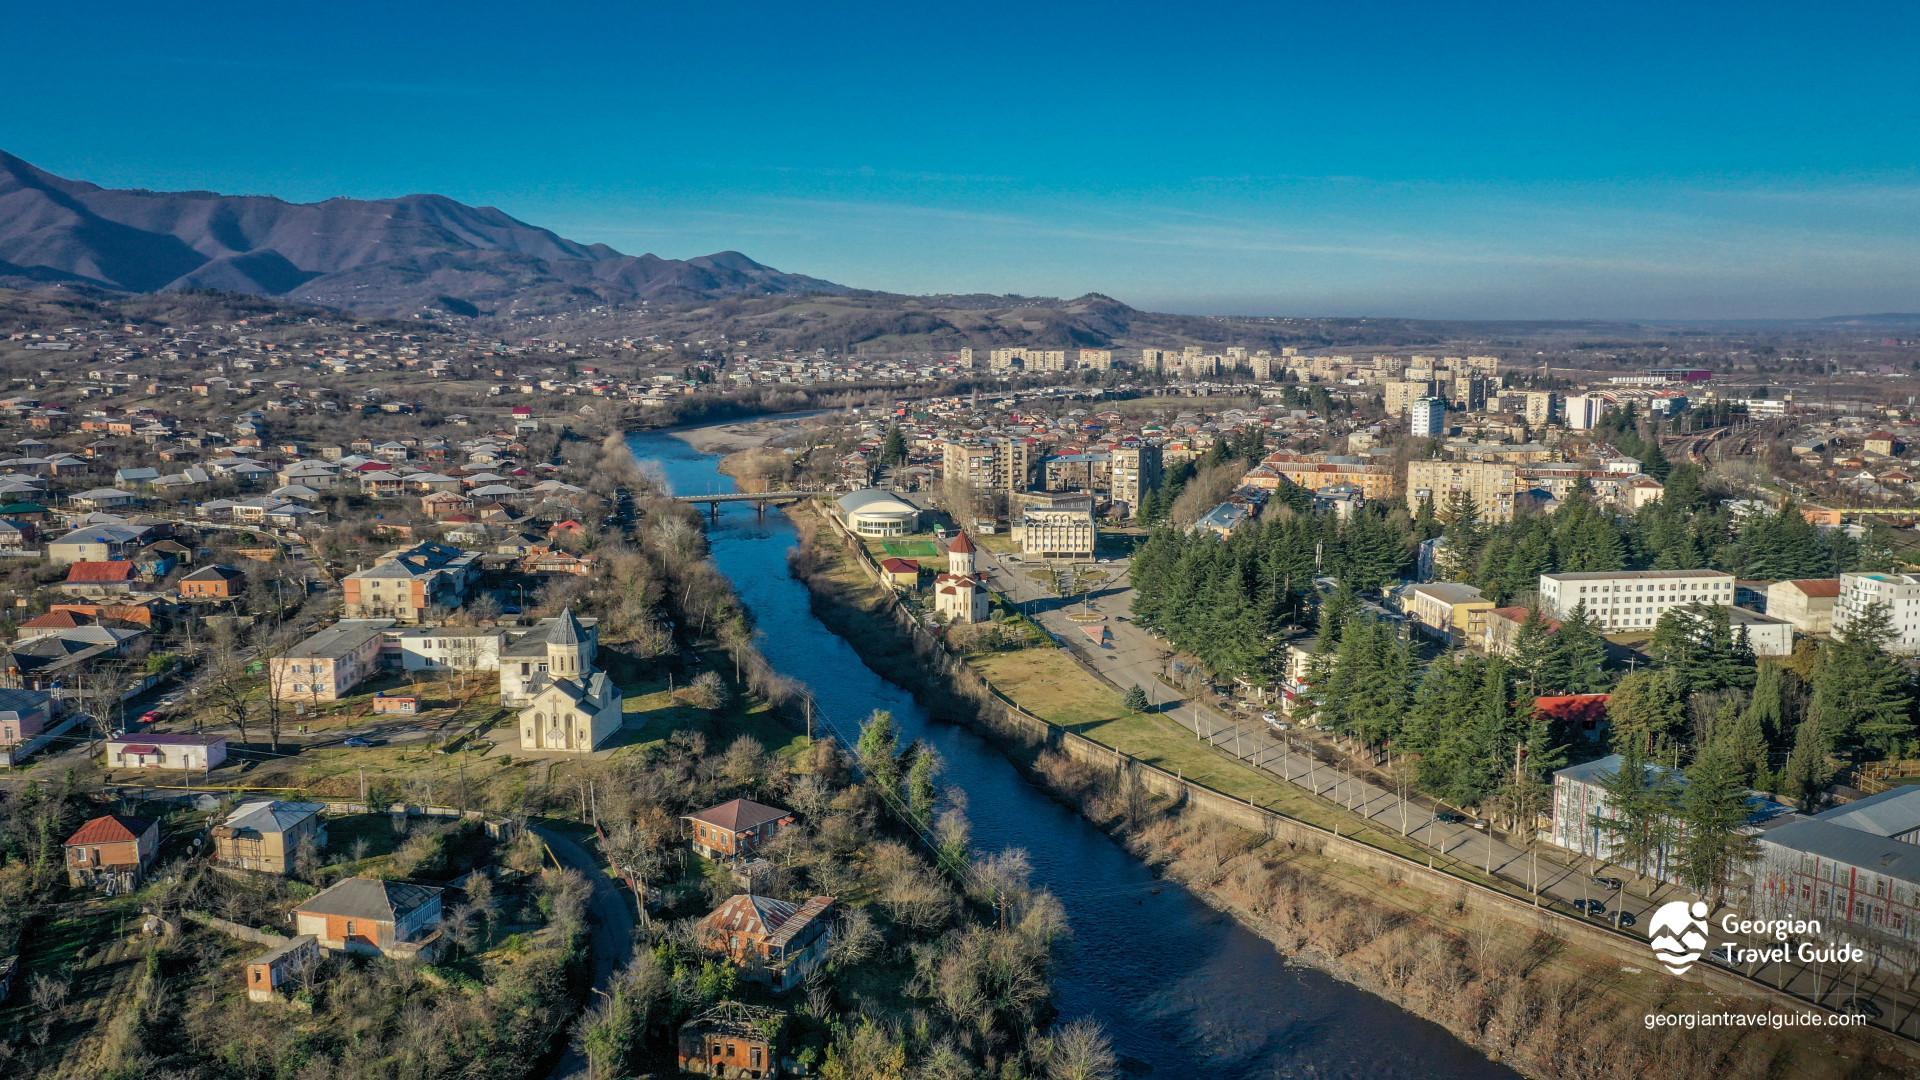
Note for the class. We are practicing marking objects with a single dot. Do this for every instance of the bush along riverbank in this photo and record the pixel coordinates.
(1485, 969)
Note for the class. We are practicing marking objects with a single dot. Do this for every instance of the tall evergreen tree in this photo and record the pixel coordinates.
(1714, 844)
(1860, 692)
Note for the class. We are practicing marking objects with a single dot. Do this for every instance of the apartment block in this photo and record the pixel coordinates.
(1136, 470)
(1899, 592)
(1491, 484)
(1630, 600)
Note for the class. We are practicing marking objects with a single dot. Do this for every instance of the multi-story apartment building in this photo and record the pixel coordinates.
(1899, 592)
(1583, 411)
(1629, 600)
(1316, 472)
(1400, 394)
(1096, 359)
(990, 465)
(1427, 418)
(1136, 470)
(1491, 484)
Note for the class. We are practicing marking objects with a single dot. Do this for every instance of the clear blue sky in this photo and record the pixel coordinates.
(1436, 159)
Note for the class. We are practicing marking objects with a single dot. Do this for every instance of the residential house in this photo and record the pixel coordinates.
(99, 578)
(24, 714)
(267, 835)
(373, 916)
(51, 661)
(774, 941)
(212, 582)
(177, 752)
(98, 543)
(112, 852)
(736, 828)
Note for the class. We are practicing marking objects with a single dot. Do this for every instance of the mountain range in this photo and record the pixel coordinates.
(376, 256)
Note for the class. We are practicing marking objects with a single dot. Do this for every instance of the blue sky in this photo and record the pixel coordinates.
(1429, 159)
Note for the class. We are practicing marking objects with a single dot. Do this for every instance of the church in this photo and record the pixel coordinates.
(960, 594)
(574, 706)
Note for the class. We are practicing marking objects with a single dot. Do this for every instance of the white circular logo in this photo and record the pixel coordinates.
(1679, 934)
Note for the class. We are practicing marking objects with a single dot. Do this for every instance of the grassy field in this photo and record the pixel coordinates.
(1048, 683)
(911, 549)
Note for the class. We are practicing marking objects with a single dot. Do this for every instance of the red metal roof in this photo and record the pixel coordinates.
(110, 829)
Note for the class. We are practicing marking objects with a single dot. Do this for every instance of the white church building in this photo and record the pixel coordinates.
(571, 705)
(960, 594)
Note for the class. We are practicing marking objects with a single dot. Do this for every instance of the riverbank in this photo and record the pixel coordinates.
(1534, 1000)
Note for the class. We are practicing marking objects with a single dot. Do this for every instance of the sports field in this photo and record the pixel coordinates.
(911, 549)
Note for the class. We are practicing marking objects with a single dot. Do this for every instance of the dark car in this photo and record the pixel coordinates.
(356, 742)
(1627, 919)
(1590, 907)
(1449, 817)
(1858, 1006)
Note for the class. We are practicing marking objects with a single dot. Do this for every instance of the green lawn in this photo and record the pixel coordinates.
(911, 549)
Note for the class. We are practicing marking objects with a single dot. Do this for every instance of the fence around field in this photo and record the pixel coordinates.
(1033, 732)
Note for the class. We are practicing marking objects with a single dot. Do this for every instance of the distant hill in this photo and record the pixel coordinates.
(378, 256)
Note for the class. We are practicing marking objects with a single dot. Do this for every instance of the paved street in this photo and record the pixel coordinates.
(1136, 658)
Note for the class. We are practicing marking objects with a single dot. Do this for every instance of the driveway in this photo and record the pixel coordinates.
(609, 929)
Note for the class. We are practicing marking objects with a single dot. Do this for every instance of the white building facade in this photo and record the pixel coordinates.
(1899, 592)
(1628, 600)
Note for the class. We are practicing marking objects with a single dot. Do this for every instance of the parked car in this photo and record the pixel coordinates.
(356, 742)
(1610, 884)
(151, 716)
(1627, 919)
(1450, 817)
(1858, 1006)
(1590, 907)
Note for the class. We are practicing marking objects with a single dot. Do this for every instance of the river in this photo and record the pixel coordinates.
(1181, 989)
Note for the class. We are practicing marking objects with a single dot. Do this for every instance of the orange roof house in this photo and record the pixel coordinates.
(735, 828)
(111, 852)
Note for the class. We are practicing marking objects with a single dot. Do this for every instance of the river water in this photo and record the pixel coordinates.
(1182, 990)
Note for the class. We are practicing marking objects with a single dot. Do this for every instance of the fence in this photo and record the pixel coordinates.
(1033, 732)
(21, 751)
